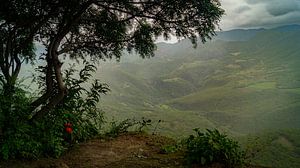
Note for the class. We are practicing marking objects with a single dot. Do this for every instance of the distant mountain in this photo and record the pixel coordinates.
(239, 81)
(238, 34)
(287, 28)
(247, 34)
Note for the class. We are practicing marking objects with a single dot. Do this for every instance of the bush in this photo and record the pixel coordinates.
(127, 125)
(213, 147)
(170, 149)
(23, 138)
(16, 138)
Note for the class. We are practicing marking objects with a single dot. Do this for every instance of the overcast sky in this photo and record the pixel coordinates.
(259, 13)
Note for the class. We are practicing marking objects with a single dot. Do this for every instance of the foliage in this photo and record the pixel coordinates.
(24, 138)
(144, 123)
(20, 142)
(20, 22)
(121, 127)
(171, 148)
(79, 107)
(16, 136)
(156, 127)
(125, 126)
(212, 146)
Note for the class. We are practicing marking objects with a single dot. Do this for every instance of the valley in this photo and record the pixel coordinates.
(245, 85)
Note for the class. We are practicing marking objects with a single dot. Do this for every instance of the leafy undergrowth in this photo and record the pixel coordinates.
(131, 150)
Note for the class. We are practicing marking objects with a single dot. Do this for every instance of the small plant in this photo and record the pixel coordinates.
(128, 125)
(156, 126)
(213, 147)
(170, 149)
(121, 127)
(144, 123)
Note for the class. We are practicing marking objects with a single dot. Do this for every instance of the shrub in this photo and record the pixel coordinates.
(127, 125)
(170, 149)
(119, 128)
(213, 147)
(16, 138)
(23, 138)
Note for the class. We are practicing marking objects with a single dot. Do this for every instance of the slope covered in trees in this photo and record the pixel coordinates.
(242, 87)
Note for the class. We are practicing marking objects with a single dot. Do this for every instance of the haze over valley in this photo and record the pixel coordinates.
(244, 82)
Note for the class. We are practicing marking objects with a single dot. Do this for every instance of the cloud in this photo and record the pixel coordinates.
(257, 1)
(259, 13)
(242, 9)
(277, 7)
(282, 8)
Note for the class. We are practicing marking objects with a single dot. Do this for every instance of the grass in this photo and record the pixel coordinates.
(294, 90)
(263, 85)
(278, 149)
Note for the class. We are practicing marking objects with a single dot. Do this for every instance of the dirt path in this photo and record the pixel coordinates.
(125, 151)
(130, 150)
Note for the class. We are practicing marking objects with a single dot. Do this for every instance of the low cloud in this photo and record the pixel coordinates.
(259, 13)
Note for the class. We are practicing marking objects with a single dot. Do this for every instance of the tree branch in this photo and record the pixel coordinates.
(54, 63)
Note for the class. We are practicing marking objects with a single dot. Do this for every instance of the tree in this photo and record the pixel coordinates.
(94, 29)
(20, 22)
(101, 29)
(79, 29)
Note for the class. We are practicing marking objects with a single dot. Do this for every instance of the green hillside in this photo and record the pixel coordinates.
(241, 87)
(280, 148)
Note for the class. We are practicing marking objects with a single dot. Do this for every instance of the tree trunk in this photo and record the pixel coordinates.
(49, 86)
(10, 66)
(53, 66)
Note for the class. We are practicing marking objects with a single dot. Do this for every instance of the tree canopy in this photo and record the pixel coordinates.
(94, 29)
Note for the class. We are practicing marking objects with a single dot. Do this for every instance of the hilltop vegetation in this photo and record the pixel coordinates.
(126, 151)
(241, 85)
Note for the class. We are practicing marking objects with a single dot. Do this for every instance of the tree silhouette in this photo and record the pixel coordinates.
(100, 29)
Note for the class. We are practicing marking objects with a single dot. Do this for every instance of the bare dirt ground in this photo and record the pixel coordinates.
(125, 151)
